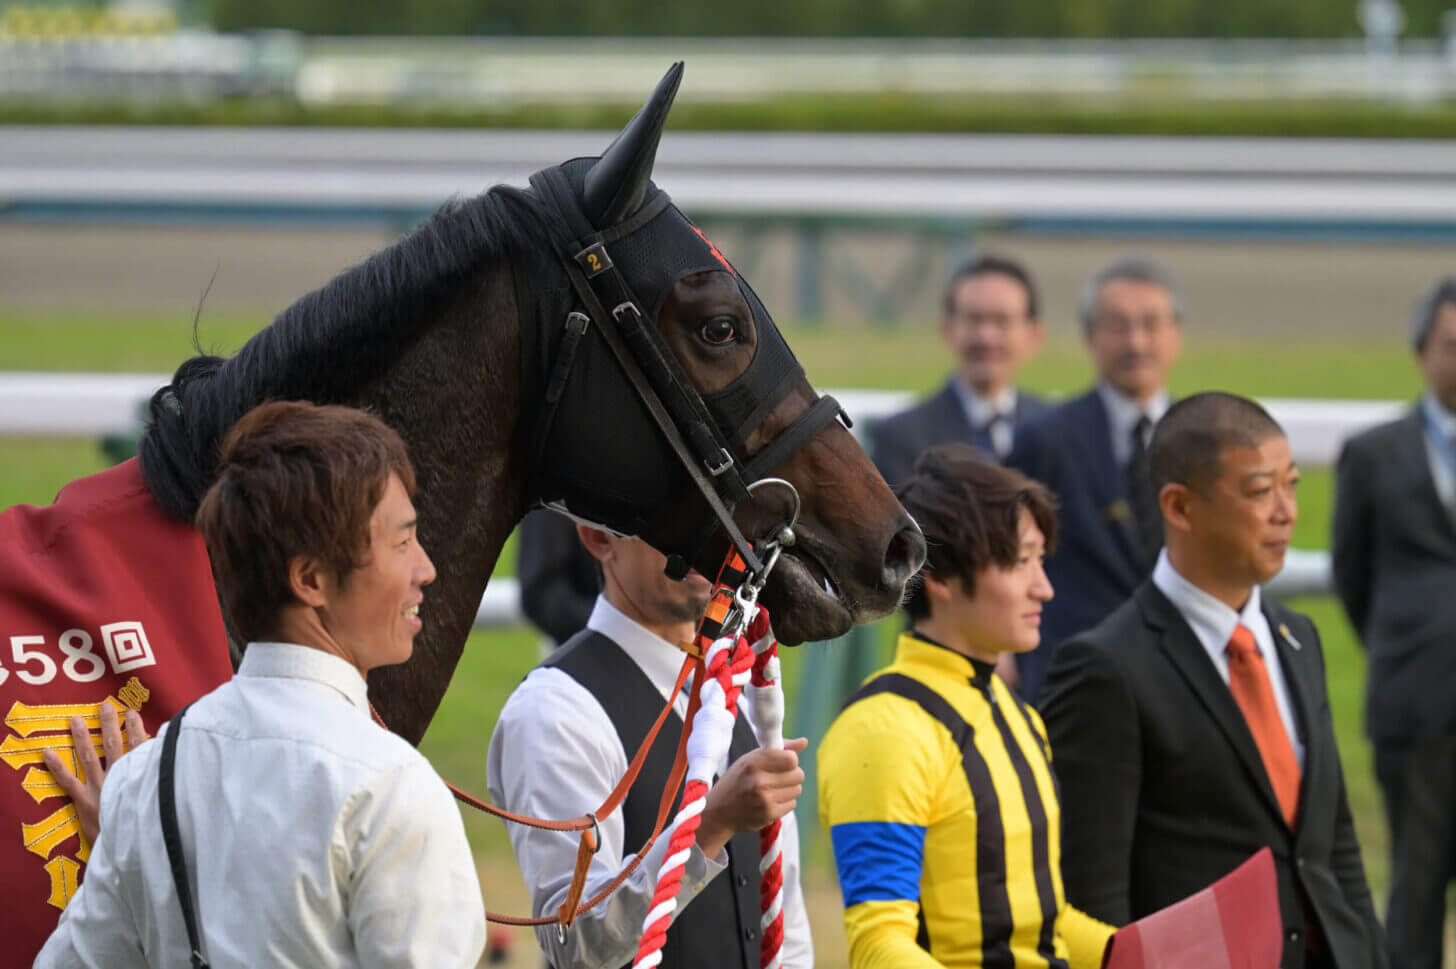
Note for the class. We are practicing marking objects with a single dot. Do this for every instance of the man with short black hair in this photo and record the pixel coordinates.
(1394, 548)
(1092, 452)
(991, 325)
(1192, 726)
(310, 835)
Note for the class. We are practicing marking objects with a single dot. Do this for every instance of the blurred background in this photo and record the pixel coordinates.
(210, 161)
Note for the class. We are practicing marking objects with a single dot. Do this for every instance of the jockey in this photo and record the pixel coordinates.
(308, 835)
(935, 781)
(565, 737)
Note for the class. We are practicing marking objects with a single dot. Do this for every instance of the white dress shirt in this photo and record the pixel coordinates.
(1213, 622)
(1443, 422)
(1123, 413)
(555, 754)
(313, 837)
(980, 411)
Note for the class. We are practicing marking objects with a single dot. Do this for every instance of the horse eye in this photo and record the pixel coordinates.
(719, 331)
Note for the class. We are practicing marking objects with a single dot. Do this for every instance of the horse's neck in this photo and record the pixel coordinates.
(456, 399)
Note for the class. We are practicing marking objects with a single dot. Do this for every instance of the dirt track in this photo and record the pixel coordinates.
(1237, 289)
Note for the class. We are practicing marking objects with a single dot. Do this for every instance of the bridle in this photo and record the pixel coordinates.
(702, 447)
(685, 421)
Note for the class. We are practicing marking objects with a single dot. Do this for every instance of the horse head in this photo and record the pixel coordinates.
(602, 458)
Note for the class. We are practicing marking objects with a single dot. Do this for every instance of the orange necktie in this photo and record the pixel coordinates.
(1249, 681)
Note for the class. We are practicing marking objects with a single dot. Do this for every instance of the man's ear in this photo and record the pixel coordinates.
(1174, 501)
(935, 588)
(597, 543)
(308, 580)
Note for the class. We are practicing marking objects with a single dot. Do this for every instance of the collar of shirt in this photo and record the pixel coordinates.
(920, 650)
(1213, 623)
(659, 659)
(1123, 414)
(1441, 419)
(980, 410)
(1212, 620)
(1439, 432)
(295, 662)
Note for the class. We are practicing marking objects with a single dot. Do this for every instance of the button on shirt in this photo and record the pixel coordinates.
(997, 415)
(555, 754)
(313, 837)
(1123, 413)
(1213, 622)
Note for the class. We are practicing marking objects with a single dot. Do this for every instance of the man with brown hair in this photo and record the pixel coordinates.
(310, 835)
(935, 781)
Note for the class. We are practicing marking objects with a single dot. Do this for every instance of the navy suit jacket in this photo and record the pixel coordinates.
(1097, 564)
(897, 441)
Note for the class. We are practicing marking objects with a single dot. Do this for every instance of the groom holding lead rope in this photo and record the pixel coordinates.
(564, 739)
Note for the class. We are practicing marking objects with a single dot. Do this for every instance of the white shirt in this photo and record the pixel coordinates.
(1444, 423)
(313, 837)
(555, 754)
(1213, 622)
(1123, 413)
(981, 410)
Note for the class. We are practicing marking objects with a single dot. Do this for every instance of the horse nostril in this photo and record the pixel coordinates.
(904, 555)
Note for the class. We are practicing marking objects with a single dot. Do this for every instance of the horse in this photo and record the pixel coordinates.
(468, 336)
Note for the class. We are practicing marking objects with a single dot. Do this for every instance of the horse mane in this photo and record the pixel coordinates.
(331, 343)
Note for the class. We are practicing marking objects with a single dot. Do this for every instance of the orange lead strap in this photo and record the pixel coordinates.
(728, 661)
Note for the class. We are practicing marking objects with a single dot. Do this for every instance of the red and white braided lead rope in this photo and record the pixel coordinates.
(729, 664)
(767, 693)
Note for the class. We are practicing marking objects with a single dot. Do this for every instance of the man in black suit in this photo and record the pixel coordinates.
(1192, 726)
(1092, 453)
(1395, 571)
(992, 325)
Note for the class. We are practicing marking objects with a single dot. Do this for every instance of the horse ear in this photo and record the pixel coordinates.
(617, 183)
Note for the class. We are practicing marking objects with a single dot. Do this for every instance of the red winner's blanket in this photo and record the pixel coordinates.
(103, 599)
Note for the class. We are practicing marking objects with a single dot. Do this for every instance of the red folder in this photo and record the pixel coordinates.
(1232, 924)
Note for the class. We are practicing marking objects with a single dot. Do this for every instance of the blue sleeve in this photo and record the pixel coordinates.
(878, 860)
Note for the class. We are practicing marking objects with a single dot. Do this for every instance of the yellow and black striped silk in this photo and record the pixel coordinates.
(935, 783)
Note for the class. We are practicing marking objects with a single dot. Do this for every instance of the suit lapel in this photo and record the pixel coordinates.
(1027, 407)
(1109, 488)
(1301, 677)
(1413, 453)
(949, 417)
(1193, 663)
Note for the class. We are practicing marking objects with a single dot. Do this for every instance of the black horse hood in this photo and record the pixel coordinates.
(629, 473)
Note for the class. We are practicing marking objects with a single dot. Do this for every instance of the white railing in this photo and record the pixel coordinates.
(90, 405)
(396, 176)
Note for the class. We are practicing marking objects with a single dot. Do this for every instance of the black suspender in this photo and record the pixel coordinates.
(167, 798)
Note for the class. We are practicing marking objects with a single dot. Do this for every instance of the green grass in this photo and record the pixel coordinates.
(909, 356)
(858, 356)
(129, 343)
